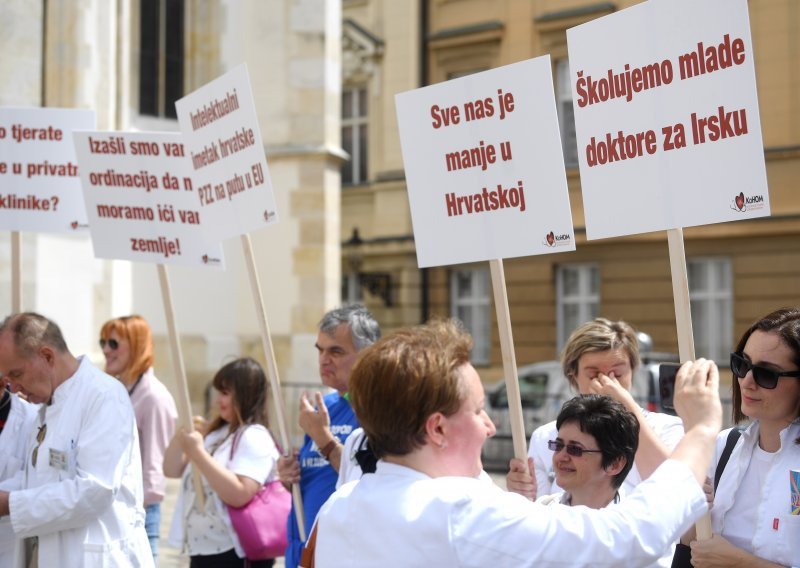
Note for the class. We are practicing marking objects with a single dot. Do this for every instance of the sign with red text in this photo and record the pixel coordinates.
(223, 145)
(39, 186)
(484, 166)
(666, 117)
(141, 200)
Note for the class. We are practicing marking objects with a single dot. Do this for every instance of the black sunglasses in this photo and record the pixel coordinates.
(572, 449)
(113, 344)
(763, 376)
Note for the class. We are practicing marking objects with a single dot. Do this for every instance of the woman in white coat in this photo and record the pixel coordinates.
(421, 404)
(17, 421)
(752, 518)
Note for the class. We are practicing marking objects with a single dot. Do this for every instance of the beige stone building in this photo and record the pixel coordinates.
(129, 60)
(738, 271)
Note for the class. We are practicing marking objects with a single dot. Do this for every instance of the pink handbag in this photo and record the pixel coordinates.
(261, 524)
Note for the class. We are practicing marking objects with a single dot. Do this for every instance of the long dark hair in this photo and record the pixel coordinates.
(245, 379)
(785, 323)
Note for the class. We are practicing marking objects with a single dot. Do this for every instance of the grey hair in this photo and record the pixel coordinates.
(30, 331)
(363, 327)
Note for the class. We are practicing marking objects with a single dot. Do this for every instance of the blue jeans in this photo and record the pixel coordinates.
(152, 524)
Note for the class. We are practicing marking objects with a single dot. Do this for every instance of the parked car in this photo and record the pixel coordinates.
(543, 389)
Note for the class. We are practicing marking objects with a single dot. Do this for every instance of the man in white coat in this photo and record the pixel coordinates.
(17, 421)
(79, 503)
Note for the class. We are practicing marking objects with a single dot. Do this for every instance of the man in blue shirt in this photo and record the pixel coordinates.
(343, 332)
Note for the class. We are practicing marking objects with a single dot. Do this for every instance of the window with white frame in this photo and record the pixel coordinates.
(711, 298)
(469, 302)
(566, 114)
(354, 135)
(160, 56)
(577, 298)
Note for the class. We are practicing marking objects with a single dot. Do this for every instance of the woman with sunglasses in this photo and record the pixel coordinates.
(236, 456)
(600, 357)
(593, 451)
(752, 518)
(128, 348)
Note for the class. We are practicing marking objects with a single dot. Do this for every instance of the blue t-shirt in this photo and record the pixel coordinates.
(317, 477)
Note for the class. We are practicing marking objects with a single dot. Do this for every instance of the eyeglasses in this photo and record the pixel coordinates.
(39, 439)
(113, 344)
(763, 376)
(572, 449)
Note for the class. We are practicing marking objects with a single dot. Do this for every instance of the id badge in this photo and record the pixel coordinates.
(59, 460)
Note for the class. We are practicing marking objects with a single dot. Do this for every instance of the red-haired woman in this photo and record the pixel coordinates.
(128, 348)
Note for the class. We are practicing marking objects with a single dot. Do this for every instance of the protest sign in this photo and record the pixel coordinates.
(141, 201)
(222, 138)
(39, 186)
(484, 166)
(666, 118)
(223, 141)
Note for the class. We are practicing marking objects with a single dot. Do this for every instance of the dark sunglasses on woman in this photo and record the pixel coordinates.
(763, 376)
(113, 344)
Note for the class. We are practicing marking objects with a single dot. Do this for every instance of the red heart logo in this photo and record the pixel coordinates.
(740, 201)
(551, 238)
(74, 225)
(205, 259)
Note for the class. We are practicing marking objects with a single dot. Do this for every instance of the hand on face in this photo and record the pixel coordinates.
(614, 363)
(608, 385)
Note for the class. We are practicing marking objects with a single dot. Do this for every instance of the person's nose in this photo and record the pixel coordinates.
(491, 429)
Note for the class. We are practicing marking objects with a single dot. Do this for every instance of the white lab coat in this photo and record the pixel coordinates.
(400, 517)
(86, 510)
(13, 441)
(776, 535)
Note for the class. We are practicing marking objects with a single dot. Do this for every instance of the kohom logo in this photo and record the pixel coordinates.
(742, 202)
(553, 240)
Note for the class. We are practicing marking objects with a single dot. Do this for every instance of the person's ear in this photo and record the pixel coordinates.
(616, 466)
(435, 428)
(48, 354)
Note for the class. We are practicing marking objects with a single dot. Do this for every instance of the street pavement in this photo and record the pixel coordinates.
(169, 557)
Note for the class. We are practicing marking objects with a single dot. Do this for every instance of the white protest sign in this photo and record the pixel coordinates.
(140, 199)
(39, 186)
(484, 166)
(666, 117)
(223, 143)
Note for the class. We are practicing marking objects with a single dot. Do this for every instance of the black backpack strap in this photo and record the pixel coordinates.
(733, 437)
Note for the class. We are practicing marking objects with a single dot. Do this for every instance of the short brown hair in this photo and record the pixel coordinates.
(30, 331)
(135, 330)
(598, 334)
(402, 379)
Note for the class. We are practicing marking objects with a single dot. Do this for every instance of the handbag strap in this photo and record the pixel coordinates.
(733, 437)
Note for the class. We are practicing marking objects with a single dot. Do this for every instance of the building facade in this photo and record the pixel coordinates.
(737, 271)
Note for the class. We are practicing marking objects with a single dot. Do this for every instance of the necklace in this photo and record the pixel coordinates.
(136, 384)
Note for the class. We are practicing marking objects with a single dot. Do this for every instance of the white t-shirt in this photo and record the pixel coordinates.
(742, 519)
(255, 456)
